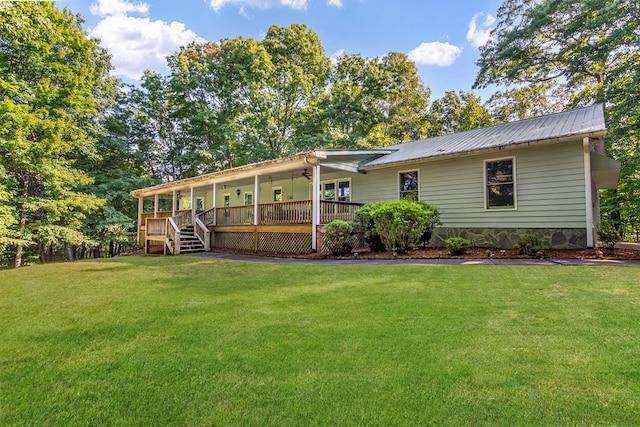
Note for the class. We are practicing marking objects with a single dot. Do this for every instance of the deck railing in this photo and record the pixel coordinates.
(235, 215)
(298, 212)
(295, 212)
(156, 226)
(331, 209)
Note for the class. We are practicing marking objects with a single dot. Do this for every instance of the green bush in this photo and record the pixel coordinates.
(338, 234)
(608, 234)
(530, 244)
(400, 224)
(457, 245)
(363, 223)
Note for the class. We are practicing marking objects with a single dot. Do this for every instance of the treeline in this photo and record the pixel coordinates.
(74, 141)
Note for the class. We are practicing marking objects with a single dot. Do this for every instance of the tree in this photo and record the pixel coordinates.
(215, 90)
(295, 86)
(525, 102)
(48, 70)
(376, 102)
(456, 112)
(591, 46)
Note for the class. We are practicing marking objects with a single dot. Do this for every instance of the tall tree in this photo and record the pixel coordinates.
(525, 102)
(48, 70)
(592, 47)
(456, 112)
(215, 89)
(295, 87)
(376, 102)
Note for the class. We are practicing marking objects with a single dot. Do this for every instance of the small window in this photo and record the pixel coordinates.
(409, 185)
(227, 200)
(277, 194)
(248, 198)
(500, 184)
(329, 192)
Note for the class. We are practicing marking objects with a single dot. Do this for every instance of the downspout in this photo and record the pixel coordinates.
(588, 193)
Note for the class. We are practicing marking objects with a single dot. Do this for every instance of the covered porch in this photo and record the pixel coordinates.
(276, 206)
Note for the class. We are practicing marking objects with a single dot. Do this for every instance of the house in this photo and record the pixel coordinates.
(491, 185)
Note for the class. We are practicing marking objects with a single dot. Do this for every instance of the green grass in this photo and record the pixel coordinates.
(189, 341)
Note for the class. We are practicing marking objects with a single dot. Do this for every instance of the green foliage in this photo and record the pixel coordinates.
(50, 77)
(363, 223)
(402, 223)
(608, 234)
(456, 112)
(339, 236)
(530, 244)
(457, 245)
(526, 101)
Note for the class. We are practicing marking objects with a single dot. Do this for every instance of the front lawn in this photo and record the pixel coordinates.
(191, 341)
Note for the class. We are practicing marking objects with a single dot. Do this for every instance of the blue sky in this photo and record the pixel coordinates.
(441, 37)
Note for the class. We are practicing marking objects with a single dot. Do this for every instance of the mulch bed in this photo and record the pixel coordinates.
(434, 253)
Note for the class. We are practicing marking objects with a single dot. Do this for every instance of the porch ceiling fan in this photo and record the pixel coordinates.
(306, 174)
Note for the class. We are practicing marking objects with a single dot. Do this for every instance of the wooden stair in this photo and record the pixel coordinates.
(189, 242)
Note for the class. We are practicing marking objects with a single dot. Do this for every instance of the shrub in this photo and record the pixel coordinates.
(530, 244)
(338, 234)
(457, 245)
(363, 223)
(608, 234)
(400, 224)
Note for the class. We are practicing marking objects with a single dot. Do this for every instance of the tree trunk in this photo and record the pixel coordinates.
(23, 224)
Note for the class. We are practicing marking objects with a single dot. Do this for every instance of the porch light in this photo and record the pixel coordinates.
(238, 192)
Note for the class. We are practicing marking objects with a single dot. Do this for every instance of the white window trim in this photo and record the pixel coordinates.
(398, 181)
(244, 200)
(336, 182)
(484, 185)
(225, 195)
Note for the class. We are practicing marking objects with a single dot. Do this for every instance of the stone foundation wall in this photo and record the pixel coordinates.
(505, 238)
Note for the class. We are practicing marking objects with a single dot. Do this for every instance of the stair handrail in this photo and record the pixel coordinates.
(201, 231)
(182, 219)
(173, 231)
(207, 217)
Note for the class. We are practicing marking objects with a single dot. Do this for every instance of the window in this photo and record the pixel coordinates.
(248, 198)
(500, 184)
(409, 185)
(277, 194)
(334, 190)
(329, 191)
(227, 200)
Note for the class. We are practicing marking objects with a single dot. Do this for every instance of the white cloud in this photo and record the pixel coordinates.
(137, 44)
(118, 7)
(336, 3)
(479, 35)
(435, 53)
(262, 4)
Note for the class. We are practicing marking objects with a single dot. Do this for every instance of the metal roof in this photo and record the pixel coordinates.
(581, 121)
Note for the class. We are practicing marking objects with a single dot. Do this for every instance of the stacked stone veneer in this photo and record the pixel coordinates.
(505, 238)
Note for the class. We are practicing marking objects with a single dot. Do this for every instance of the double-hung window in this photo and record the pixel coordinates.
(408, 185)
(500, 188)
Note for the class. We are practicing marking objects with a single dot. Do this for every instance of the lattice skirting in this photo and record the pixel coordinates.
(292, 243)
(234, 240)
(357, 242)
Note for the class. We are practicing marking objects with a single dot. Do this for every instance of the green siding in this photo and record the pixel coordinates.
(549, 187)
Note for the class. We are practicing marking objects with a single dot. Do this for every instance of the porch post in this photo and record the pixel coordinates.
(140, 207)
(256, 200)
(588, 191)
(193, 203)
(315, 207)
(155, 205)
(215, 204)
(174, 196)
